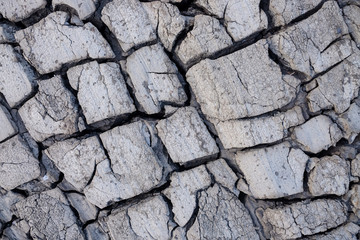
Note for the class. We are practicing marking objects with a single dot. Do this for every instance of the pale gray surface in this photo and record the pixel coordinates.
(355, 166)
(305, 46)
(273, 172)
(146, 220)
(53, 32)
(229, 217)
(135, 166)
(17, 163)
(255, 131)
(345, 232)
(94, 231)
(86, 210)
(77, 159)
(207, 37)
(168, 21)
(185, 136)
(352, 19)
(317, 134)
(241, 18)
(104, 188)
(129, 22)
(17, 10)
(179, 119)
(18, 230)
(7, 201)
(7, 32)
(223, 174)
(283, 12)
(183, 190)
(328, 175)
(52, 111)
(17, 80)
(349, 122)
(49, 216)
(84, 8)
(134, 142)
(304, 218)
(337, 87)
(355, 199)
(227, 88)
(7, 125)
(102, 92)
(154, 78)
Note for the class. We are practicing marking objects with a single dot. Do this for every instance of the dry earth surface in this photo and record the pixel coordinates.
(179, 119)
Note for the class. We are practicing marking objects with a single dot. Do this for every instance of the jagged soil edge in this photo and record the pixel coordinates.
(185, 5)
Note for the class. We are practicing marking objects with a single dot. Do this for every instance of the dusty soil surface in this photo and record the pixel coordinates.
(179, 119)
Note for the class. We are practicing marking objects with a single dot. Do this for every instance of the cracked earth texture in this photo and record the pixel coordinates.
(179, 119)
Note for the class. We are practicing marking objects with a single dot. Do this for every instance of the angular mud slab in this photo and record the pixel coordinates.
(283, 12)
(148, 219)
(49, 216)
(17, 10)
(273, 172)
(314, 44)
(52, 111)
(241, 18)
(77, 159)
(73, 43)
(207, 37)
(135, 165)
(346, 232)
(17, 163)
(94, 231)
(338, 87)
(154, 78)
(17, 230)
(349, 122)
(7, 125)
(355, 166)
(17, 79)
(328, 175)
(354, 195)
(87, 211)
(105, 188)
(229, 87)
(186, 137)
(129, 22)
(317, 134)
(179, 119)
(221, 216)
(223, 175)
(255, 131)
(7, 201)
(183, 190)
(304, 218)
(102, 91)
(167, 20)
(352, 19)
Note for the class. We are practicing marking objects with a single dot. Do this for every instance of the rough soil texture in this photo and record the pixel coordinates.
(179, 119)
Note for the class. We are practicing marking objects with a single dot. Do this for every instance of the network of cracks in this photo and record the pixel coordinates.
(179, 119)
